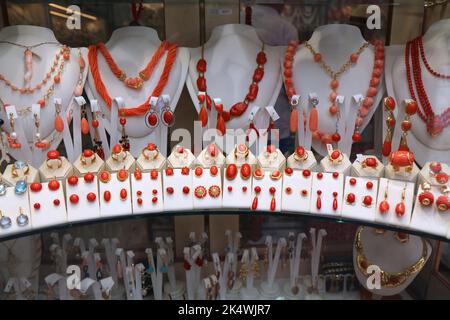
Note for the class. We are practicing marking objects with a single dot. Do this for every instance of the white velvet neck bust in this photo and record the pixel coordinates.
(12, 65)
(132, 48)
(437, 51)
(335, 42)
(230, 54)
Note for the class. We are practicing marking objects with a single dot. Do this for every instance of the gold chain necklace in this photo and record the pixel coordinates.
(388, 280)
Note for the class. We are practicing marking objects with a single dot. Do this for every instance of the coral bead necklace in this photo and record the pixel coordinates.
(414, 51)
(238, 108)
(145, 106)
(333, 109)
(137, 81)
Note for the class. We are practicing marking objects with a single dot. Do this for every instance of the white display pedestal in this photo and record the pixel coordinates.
(344, 166)
(152, 159)
(52, 210)
(296, 191)
(309, 163)
(116, 206)
(426, 175)
(327, 185)
(273, 159)
(127, 163)
(84, 209)
(11, 176)
(180, 158)
(364, 167)
(240, 157)
(94, 166)
(54, 172)
(358, 210)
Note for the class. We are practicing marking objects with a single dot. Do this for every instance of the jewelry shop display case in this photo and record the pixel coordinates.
(224, 150)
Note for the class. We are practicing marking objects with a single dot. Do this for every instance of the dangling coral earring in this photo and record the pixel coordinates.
(442, 202)
(84, 121)
(255, 200)
(384, 205)
(389, 106)
(124, 141)
(203, 114)
(12, 137)
(40, 144)
(272, 191)
(400, 207)
(59, 123)
(335, 202)
(319, 200)
(426, 198)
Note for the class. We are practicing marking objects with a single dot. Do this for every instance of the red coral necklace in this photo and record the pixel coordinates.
(435, 122)
(238, 108)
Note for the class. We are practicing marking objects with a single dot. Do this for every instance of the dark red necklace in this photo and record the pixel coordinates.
(414, 51)
(238, 108)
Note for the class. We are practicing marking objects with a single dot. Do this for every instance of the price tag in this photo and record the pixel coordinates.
(359, 157)
(295, 100)
(329, 148)
(36, 109)
(9, 285)
(94, 106)
(25, 282)
(11, 110)
(107, 284)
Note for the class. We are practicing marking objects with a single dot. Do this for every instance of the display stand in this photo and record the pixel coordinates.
(327, 184)
(392, 191)
(270, 288)
(144, 41)
(207, 188)
(313, 293)
(124, 160)
(292, 290)
(211, 156)
(367, 166)
(261, 192)
(12, 205)
(272, 158)
(147, 192)
(236, 190)
(19, 171)
(87, 207)
(116, 205)
(233, 247)
(174, 289)
(402, 174)
(437, 178)
(88, 162)
(150, 159)
(428, 218)
(343, 165)
(237, 45)
(296, 191)
(362, 205)
(302, 159)
(249, 292)
(30, 36)
(178, 186)
(47, 206)
(59, 168)
(180, 158)
(389, 254)
(435, 43)
(335, 42)
(240, 155)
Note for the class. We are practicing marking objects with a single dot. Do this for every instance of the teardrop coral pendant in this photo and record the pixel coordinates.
(84, 126)
(221, 124)
(313, 119)
(272, 204)
(59, 123)
(387, 147)
(203, 116)
(255, 203)
(293, 121)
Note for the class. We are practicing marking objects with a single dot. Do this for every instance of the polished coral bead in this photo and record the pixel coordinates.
(442, 178)
(122, 121)
(139, 201)
(230, 188)
(369, 185)
(123, 194)
(201, 84)
(89, 177)
(400, 209)
(288, 171)
(244, 189)
(169, 190)
(306, 173)
(186, 189)
(201, 65)
(389, 103)
(198, 171)
(411, 107)
(384, 206)
(107, 196)
(74, 198)
(255, 203)
(91, 197)
(261, 58)
(335, 175)
(37, 206)
(169, 172)
(154, 174)
(351, 198)
(154, 199)
(154, 191)
(213, 170)
(72, 180)
(367, 201)
(231, 171)
(258, 74)
(257, 189)
(53, 185)
(137, 174)
(272, 190)
(336, 137)
(319, 175)
(36, 187)
(356, 137)
(53, 154)
(435, 167)
(352, 181)
(95, 123)
(168, 117)
(56, 202)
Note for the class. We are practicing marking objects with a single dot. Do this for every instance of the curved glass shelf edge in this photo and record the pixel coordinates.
(208, 212)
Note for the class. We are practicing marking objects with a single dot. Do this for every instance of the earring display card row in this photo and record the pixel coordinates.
(265, 197)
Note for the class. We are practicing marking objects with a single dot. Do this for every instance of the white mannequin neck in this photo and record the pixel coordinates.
(28, 35)
(336, 35)
(136, 32)
(439, 29)
(234, 29)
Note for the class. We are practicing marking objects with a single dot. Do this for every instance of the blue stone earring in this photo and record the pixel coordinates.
(5, 222)
(21, 187)
(22, 219)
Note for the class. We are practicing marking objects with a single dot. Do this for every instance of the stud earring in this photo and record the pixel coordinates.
(367, 201)
(389, 106)
(402, 237)
(22, 219)
(5, 222)
(350, 199)
(319, 200)
(335, 202)
(400, 207)
(255, 200)
(426, 198)
(442, 202)
(273, 204)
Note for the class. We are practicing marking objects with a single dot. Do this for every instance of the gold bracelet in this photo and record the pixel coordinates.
(388, 280)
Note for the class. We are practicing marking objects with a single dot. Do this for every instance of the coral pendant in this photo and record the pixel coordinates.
(84, 126)
(293, 121)
(59, 123)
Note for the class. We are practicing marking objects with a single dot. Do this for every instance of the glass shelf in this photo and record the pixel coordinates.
(299, 215)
